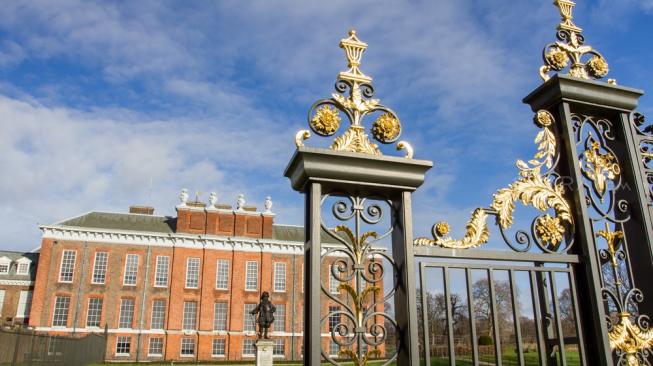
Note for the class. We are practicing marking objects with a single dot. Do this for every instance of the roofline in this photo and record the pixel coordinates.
(60, 222)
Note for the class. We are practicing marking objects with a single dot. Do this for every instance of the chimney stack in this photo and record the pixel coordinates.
(142, 210)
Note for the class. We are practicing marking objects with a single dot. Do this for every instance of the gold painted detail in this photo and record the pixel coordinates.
(599, 167)
(570, 49)
(550, 230)
(354, 98)
(477, 233)
(630, 339)
(347, 353)
(533, 188)
(326, 121)
(624, 336)
(355, 139)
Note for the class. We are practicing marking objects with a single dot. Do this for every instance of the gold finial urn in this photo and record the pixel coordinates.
(570, 52)
(354, 99)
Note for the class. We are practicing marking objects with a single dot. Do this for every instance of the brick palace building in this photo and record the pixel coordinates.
(174, 288)
(17, 272)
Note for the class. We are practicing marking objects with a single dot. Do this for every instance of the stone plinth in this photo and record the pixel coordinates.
(264, 352)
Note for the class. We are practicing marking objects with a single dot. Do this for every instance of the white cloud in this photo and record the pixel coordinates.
(58, 162)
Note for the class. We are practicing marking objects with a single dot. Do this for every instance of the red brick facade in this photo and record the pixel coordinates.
(199, 237)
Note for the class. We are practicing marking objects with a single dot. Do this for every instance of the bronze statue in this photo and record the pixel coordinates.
(265, 311)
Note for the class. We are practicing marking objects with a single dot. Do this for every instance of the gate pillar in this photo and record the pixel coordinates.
(318, 172)
(364, 186)
(602, 167)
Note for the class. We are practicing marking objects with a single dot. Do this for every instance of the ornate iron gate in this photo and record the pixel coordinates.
(564, 284)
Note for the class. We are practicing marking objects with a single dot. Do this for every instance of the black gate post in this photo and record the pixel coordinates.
(367, 188)
(576, 103)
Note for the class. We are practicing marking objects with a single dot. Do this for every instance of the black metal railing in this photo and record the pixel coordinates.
(25, 347)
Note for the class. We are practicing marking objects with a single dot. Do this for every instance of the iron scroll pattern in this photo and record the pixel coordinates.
(361, 328)
(628, 330)
(540, 186)
(644, 139)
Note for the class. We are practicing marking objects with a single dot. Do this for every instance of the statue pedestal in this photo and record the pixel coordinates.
(264, 352)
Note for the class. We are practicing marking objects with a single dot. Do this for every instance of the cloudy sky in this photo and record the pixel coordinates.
(107, 104)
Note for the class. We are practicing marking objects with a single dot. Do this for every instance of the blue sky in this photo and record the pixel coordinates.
(107, 104)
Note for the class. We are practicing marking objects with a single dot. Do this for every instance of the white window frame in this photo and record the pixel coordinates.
(159, 279)
(99, 316)
(253, 354)
(223, 325)
(23, 262)
(118, 341)
(24, 304)
(149, 347)
(279, 318)
(333, 344)
(69, 263)
(127, 274)
(62, 316)
(247, 319)
(100, 268)
(193, 272)
(181, 347)
(163, 312)
(124, 307)
(224, 347)
(251, 275)
(222, 274)
(186, 316)
(333, 282)
(279, 343)
(5, 261)
(2, 300)
(279, 276)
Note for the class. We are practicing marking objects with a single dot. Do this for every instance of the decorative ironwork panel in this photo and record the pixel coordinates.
(629, 332)
(360, 267)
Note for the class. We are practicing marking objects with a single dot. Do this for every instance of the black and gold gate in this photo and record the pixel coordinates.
(567, 286)
(553, 272)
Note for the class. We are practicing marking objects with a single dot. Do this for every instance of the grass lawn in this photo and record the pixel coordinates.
(509, 358)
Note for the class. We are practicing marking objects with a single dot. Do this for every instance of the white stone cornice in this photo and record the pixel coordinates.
(16, 282)
(126, 237)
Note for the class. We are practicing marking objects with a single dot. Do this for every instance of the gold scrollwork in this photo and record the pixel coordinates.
(599, 167)
(571, 47)
(356, 104)
(629, 338)
(532, 188)
(624, 336)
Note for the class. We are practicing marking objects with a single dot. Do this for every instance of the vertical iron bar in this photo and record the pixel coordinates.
(402, 250)
(574, 303)
(537, 313)
(472, 316)
(640, 226)
(449, 316)
(425, 319)
(556, 314)
(516, 315)
(589, 273)
(312, 253)
(495, 318)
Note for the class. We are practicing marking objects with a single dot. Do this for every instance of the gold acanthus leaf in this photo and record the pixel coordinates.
(477, 233)
(356, 140)
(630, 339)
(531, 189)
